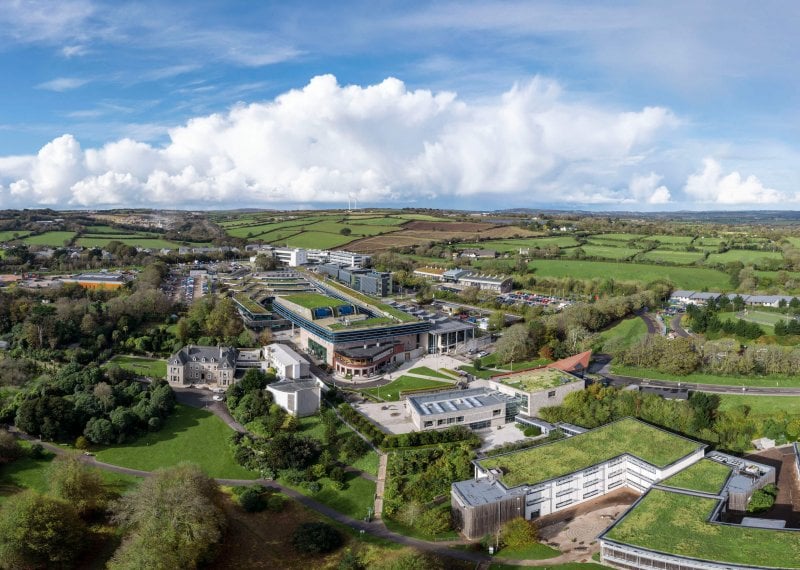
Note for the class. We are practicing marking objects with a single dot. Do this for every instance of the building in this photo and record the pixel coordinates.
(348, 258)
(475, 253)
(454, 275)
(298, 397)
(701, 298)
(202, 365)
(552, 477)
(432, 273)
(649, 535)
(285, 361)
(494, 283)
(291, 256)
(537, 388)
(97, 280)
(366, 281)
(476, 408)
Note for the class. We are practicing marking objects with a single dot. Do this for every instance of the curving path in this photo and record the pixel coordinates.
(677, 325)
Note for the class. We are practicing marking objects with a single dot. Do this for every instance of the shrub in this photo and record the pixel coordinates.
(532, 431)
(275, 503)
(316, 538)
(36, 451)
(763, 499)
(518, 533)
(252, 499)
(313, 486)
(81, 442)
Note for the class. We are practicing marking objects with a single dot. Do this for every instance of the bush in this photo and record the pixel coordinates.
(275, 503)
(36, 451)
(532, 431)
(313, 486)
(518, 533)
(252, 499)
(763, 499)
(316, 538)
(81, 443)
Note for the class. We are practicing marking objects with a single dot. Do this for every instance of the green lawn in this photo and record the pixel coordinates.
(132, 240)
(312, 426)
(549, 461)
(28, 473)
(425, 371)
(670, 256)
(765, 328)
(676, 523)
(608, 251)
(514, 245)
(692, 278)
(368, 463)
(354, 500)
(391, 392)
(314, 300)
(622, 335)
(153, 367)
(746, 256)
(699, 378)
(52, 239)
(705, 476)
(764, 406)
(188, 434)
(536, 551)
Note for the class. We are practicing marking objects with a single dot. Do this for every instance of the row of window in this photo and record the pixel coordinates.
(443, 421)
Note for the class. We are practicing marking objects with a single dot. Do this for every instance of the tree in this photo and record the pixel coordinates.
(173, 519)
(39, 531)
(345, 231)
(9, 447)
(100, 430)
(316, 538)
(253, 499)
(75, 483)
(518, 533)
(514, 344)
(497, 320)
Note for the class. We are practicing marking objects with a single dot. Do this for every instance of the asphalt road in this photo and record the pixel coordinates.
(677, 325)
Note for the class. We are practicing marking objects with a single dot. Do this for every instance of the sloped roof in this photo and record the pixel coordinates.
(579, 362)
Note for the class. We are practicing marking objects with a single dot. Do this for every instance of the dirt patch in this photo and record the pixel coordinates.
(448, 226)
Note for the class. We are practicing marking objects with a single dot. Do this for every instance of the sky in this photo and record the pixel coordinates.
(598, 105)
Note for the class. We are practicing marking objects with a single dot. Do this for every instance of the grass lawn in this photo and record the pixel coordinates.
(765, 406)
(676, 524)
(536, 551)
(670, 256)
(391, 392)
(692, 278)
(52, 239)
(425, 371)
(368, 463)
(188, 434)
(354, 500)
(29, 473)
(699, 378)
(314, 300)
(482, 373)
(545, 462)
(766, 329)
(622, 335)
(705, 476)
(311, 426)
(156, 368)
(414, 532)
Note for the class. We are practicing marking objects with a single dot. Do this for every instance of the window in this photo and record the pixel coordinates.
(496, 412)
(591, 493)
(551, 394)
(427, 424)
(564, 492)
(451, 420)
(590, 483)
(563, 504)
(460, 419)
(439, 422)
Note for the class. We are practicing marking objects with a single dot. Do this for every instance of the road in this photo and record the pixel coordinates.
(677, 325)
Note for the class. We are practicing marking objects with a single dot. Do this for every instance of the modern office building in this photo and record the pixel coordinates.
(286, 363)
(538, 387)
(298, 397)
(348, 258)
(367, 281)
(291, 256)
(476, 408)
(97, 280)
(494, 283)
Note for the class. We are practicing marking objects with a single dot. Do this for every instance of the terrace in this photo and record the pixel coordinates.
(536, 380)
(626, 436)
(679, 524)
(314, 301)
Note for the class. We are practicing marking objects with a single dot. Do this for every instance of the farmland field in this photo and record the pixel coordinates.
(671, 256)
(152, 243)
(693, 278)
(9, 235)
(744, 255)
(514, 245)
(618, 237)
(764, 406)
(51, 239)
(317, 240)
(607, 251)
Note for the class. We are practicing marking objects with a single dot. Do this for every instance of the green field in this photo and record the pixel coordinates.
(188, 434)
(705, 476)
(51, 239)
(391, 392)
(318, 240)
(9, 235)
(153, 367)
(314, 300)
(513, 245)
(622, 335)
(672, 256)
(131, 240)
(608, 251)
(692, 278)
(539, 464)
(746, 256)
(676, 523)
(618, 237)
(699, 378)
(762, 406)
(767, 329)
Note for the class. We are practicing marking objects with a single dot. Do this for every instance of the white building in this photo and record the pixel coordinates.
(290, 256)
(476, 408)
(285, 361)
(298, 397)
(349, 258)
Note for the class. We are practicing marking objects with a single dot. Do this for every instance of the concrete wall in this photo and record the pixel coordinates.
(470, 416)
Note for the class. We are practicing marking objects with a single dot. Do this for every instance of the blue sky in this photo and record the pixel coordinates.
(597, 105)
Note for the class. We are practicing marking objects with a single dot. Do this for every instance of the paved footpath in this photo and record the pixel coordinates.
(383, 461)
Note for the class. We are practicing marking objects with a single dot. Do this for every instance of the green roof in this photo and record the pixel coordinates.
(401, 316)
(314, 300)
(705, 476)
(250, 304)
(628, 435)
(535, 380)
(677, 523)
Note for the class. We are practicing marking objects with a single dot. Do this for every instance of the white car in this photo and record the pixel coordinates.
(217, 397)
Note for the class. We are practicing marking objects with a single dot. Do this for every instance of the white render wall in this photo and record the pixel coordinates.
(566, 492)
(627, 557)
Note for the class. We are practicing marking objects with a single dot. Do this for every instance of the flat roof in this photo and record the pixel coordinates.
(705, 476)
(537, 379)
(456, 401)
(626, 436)
(314, 300)
(678, 524)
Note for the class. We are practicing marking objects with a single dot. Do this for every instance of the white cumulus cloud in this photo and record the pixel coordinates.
(715, 187)
(61, 84)
(382, 142)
